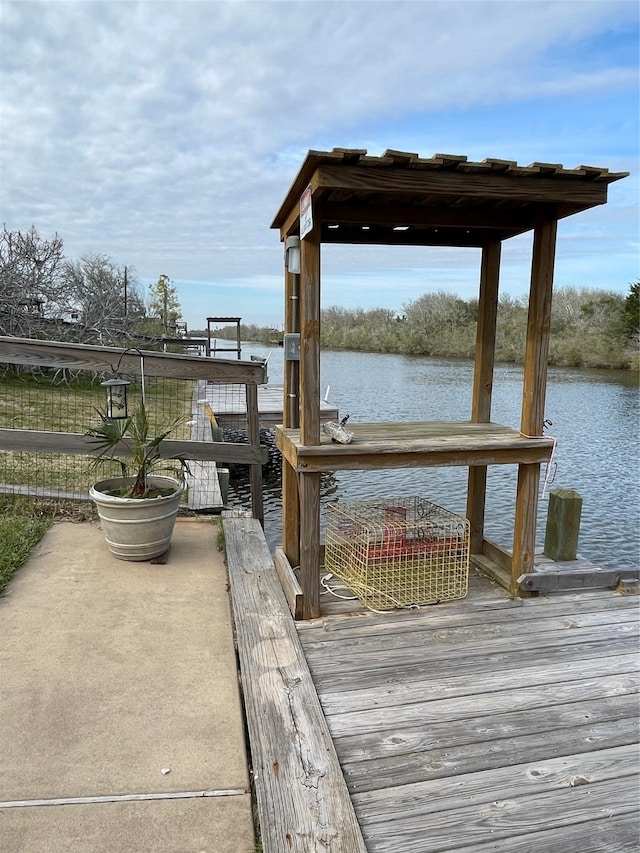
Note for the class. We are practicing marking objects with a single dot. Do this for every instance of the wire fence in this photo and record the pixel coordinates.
(51, 401)
(46, 408)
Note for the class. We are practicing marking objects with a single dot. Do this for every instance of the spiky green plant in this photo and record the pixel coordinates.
(129, 442)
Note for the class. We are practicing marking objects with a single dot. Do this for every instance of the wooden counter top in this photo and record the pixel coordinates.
(414, 445)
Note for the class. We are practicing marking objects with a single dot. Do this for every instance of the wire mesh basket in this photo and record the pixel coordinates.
(398, 552)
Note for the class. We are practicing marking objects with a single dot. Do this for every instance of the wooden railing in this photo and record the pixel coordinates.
(79, 357)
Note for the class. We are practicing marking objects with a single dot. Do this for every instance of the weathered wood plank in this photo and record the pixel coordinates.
(550, 581)
(452, 698)
(458, 760)
(302, 797)
(290, 585)
(567, 810)
(426, 645)
(598, 833)
(467, 185)
(67, 442)
(394, 807)
(203, 486)
(446, 794)
(395, 676)
(409, 445)
(495, 611)
(395, 741)
(108, 359)
(447, 721)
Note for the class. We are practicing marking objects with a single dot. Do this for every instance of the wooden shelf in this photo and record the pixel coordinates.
(415, 445)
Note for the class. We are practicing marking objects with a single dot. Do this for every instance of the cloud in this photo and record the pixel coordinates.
(166, 134)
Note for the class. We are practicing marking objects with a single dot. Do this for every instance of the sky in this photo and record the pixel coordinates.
(165, 135)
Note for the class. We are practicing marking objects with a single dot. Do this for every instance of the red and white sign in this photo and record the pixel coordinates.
(306, 213)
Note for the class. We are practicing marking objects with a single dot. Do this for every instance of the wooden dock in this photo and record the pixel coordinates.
(484, 724)
(229, 406)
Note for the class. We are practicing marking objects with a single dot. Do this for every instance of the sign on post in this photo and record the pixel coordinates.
(306, 213)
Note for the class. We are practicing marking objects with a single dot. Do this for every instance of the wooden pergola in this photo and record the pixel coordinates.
(401, 199)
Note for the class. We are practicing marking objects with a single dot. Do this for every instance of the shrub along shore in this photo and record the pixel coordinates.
(589, 328)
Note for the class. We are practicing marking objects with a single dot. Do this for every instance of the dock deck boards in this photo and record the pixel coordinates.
(229, 405)
(478, 726)
(483, 724)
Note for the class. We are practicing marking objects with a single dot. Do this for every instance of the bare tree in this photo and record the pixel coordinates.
(105, 298)
(32, 298)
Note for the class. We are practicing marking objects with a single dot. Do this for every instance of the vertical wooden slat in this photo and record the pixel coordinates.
(290, 514)
(483, 384)
(533, 393)
(309, 485)
(255, 471)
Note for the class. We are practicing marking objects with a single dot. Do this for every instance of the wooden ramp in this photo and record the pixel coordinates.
(488, 723)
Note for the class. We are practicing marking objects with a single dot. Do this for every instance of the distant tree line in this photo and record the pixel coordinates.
(589, 328)
(94, 300)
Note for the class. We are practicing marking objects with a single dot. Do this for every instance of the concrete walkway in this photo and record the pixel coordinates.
(118, 681)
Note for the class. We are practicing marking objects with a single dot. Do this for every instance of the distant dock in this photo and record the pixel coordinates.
(229, 405)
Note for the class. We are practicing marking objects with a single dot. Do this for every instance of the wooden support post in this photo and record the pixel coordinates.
(483, 385)
(309, 484)
(533, 395)
(290, 499)
(255, 471)
(563, 525)
(310, 544)
(310, 338)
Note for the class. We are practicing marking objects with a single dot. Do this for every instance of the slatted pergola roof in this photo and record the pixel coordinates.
(445, 200)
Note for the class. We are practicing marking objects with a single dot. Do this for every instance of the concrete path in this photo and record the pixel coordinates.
(118, 681)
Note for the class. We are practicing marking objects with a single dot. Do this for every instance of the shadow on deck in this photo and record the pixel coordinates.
(475, 725)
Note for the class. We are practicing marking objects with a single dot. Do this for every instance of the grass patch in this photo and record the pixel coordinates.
(24, 521)
(21, 527)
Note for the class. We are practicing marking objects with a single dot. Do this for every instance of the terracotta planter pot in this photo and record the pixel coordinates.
(137, 528)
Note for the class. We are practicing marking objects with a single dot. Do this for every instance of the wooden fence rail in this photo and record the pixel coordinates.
(131, 361)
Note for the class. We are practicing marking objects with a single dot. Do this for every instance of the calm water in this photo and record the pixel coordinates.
(595, 417)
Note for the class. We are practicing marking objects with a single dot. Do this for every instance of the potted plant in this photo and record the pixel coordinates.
(138, 510)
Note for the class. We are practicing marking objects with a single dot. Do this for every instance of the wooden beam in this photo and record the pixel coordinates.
(438, 216)
(533, 394)
(538, 326)
(483, 384)
(310, 338)
(414, 445)
(302, 798)
(576, 579)
(68, 442)
(439, 183)
(116, 359)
